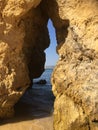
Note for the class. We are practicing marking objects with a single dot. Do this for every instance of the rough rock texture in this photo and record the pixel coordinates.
(23, 39)
(22, 45)
(75, 77)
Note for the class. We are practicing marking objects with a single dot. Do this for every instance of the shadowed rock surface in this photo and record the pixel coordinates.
(23, 39)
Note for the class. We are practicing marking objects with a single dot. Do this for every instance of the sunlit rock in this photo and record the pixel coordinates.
(23, 39)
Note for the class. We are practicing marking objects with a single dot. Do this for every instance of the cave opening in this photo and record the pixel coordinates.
(39, 100)
(42, 87)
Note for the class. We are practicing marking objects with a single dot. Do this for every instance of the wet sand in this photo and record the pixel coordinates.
(33, 112)
(45, 123)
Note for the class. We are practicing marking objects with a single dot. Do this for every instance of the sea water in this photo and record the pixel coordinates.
(40, 97)
(34, 111)
(45, 76)
(43, 92)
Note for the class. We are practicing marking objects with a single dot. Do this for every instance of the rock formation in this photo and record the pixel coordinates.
(23, 39)
(75, 77)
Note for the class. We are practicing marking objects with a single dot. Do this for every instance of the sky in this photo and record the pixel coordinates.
(51, 55)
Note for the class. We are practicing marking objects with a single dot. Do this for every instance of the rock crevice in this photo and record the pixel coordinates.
(23, 39)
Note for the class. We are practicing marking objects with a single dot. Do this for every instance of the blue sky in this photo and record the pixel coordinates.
(51, 55)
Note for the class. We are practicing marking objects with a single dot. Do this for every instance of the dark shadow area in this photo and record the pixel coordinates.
(36, 103)
(30, 110)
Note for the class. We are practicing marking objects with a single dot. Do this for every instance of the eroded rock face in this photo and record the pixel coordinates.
(75, 77)
(22, 45)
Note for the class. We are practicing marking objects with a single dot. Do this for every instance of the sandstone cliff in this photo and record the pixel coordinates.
(75, 77)
(23, 39)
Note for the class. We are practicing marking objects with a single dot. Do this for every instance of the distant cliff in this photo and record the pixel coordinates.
(49, 67)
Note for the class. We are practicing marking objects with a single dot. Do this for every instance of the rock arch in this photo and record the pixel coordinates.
(23, 39)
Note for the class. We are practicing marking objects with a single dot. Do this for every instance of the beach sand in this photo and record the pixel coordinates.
(44, 123)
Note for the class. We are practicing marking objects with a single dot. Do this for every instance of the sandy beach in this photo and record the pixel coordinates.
(45, 123)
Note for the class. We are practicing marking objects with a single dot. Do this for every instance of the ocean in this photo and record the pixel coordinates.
(35, 108)
(45, 76)
(40, 97)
